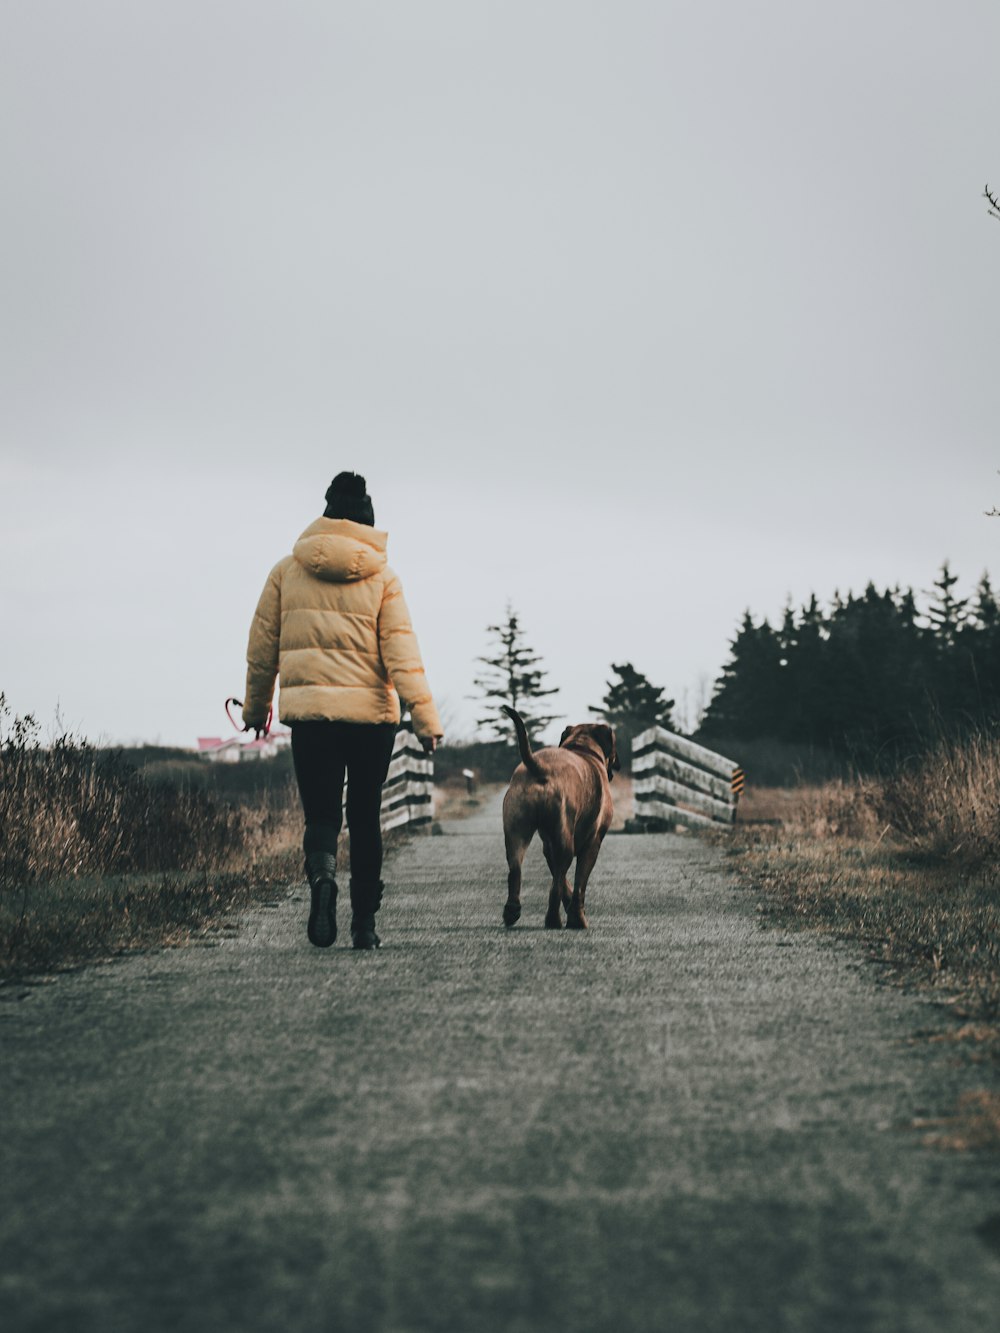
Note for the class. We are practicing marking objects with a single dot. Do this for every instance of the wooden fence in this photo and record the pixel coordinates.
(675, 781)
(408, 794)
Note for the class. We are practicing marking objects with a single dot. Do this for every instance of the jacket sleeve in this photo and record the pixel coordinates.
(401, 656)
(262, 652)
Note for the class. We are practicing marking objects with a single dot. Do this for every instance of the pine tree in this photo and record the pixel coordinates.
(877, 683)
(748, 699)
(631, 705)
(512, 676)
(946, 613)
(985, 614)
(979, 654)
(950, 679)
(803, 653)
(871, 678)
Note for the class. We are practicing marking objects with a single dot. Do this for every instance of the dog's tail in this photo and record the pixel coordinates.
(524, 745)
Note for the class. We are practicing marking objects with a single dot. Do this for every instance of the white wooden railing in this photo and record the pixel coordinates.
(675, 781)
(408, 794)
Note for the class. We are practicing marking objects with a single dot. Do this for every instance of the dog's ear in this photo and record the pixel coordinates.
(566, 732)
(605, 738)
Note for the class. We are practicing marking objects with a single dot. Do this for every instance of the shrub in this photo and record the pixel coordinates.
(70, 809)
(947, 803)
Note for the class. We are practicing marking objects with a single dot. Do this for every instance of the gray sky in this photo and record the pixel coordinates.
(637, 314)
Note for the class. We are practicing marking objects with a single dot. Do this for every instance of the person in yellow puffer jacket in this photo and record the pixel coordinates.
(333, 627)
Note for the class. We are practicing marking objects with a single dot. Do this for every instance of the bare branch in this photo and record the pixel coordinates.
(994, 202)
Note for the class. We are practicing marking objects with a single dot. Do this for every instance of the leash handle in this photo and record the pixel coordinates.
(239, 704)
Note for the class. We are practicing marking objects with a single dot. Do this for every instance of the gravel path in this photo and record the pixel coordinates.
(677, 1121)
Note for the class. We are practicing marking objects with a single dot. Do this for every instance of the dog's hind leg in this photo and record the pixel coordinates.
(516, 845)
(559, 856)
(576, 917)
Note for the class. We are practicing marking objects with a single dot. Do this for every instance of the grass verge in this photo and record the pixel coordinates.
(96, 859)
(62, 923)
(912, 878)
(103, 852)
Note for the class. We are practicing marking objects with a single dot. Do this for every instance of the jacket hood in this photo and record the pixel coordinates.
(339, 551)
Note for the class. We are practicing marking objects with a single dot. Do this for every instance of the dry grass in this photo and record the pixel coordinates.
(61, 923)
(94, 859)
(947, 805)
(975, 1124)
(907, 866)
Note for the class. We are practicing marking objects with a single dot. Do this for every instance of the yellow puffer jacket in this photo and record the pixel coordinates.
(333, 625)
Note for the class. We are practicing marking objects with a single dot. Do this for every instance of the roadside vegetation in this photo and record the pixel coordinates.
(871, 678)
(97, 857)
(103, 851)
(870, 735)
(907, 864)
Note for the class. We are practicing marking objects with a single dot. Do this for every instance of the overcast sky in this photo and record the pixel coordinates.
(635, 314)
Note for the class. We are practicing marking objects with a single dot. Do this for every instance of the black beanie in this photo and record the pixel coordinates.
(347, 497)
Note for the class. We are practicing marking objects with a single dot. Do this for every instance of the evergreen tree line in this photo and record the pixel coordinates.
(872, 677)
(511, 673)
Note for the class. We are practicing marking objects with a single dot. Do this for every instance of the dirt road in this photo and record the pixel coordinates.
(677, 1121)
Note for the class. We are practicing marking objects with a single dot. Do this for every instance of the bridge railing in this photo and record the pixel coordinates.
(408, 793)
(675, 781)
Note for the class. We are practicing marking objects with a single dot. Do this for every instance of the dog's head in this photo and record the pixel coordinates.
(587, 736)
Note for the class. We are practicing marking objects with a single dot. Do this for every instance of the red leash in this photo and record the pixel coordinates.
(239, 704)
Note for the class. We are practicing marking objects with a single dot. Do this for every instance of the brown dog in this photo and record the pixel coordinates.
(564, 794)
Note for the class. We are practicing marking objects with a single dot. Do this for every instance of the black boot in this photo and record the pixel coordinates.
(365, 902)
(321, 870)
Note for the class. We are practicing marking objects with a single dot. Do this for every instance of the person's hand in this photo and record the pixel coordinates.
(429, 743)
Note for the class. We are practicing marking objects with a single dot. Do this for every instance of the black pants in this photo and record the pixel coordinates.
(323, 752)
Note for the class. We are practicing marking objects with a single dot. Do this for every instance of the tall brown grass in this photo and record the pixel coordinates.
(941, 806)
(71, 809)
(908, 864)
(947, 803)
(93, 854)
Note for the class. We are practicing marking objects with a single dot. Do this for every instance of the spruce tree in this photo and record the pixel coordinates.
(872, 678)
(985, 614)
(979, 654)
(748, 699)
(950, 674)
(631, 705)
(946, 613)
(512, 676)
(880, 670)
(805, 688)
